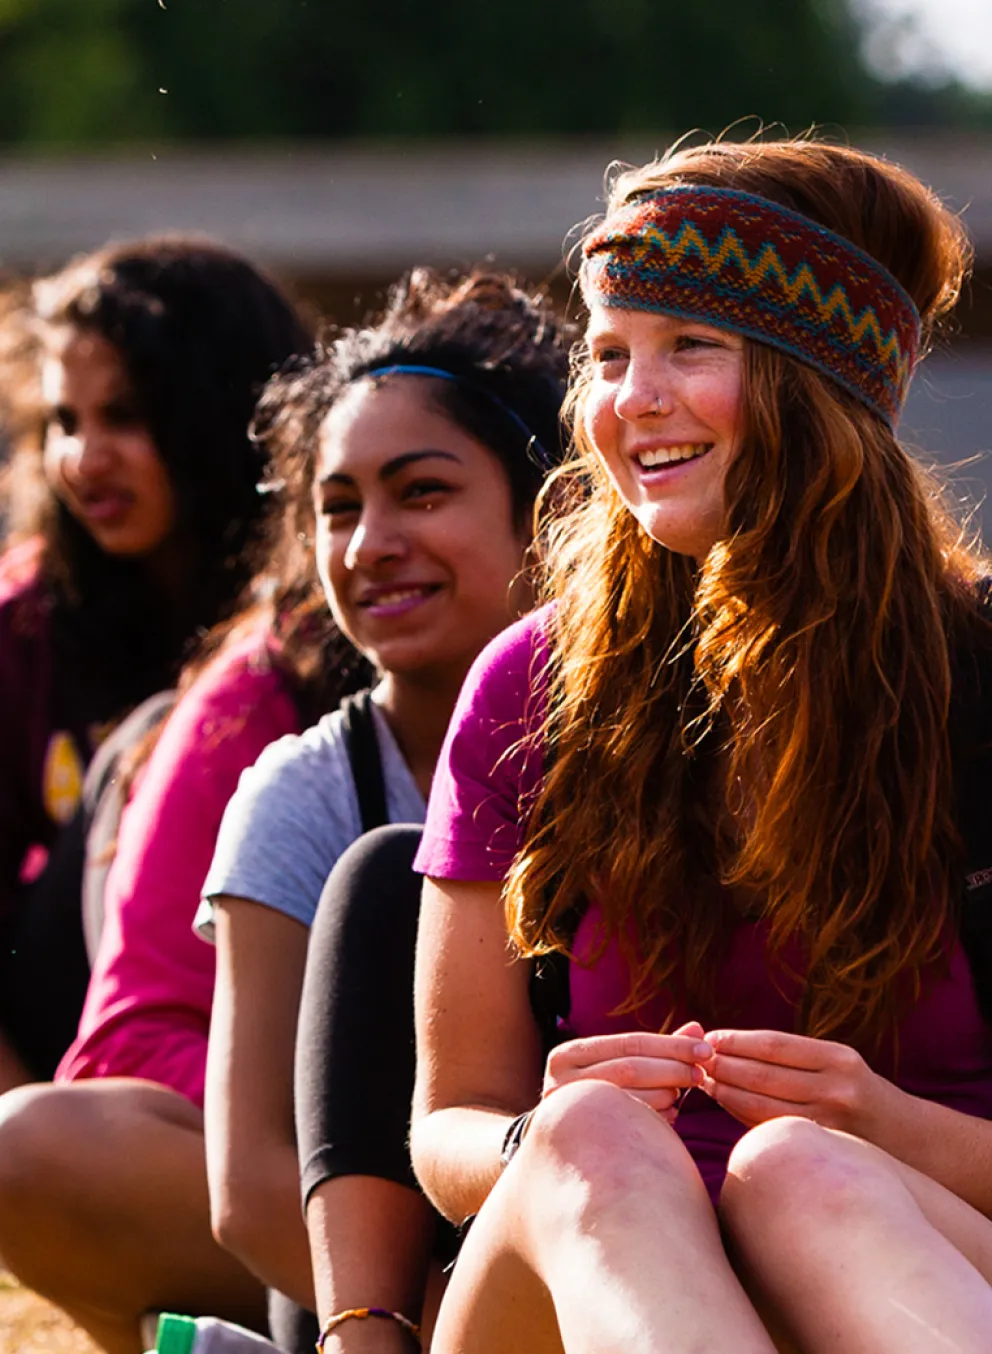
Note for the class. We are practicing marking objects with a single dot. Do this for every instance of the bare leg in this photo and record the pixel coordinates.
(370, 1243)
(103, 1208)
(599, 1237)
(859, 1254)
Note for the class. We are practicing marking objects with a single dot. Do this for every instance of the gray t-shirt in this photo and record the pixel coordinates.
(292, 816)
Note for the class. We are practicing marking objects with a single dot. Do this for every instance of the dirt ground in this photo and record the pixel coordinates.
(29, 1325)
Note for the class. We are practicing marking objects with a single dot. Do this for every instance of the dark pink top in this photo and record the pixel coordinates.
(488, 772)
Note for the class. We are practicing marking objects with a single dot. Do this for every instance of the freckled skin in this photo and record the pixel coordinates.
(661, 381)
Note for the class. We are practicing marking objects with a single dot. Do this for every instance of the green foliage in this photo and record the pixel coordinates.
(76, 72)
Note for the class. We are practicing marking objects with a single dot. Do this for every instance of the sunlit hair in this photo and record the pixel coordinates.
(775, 718)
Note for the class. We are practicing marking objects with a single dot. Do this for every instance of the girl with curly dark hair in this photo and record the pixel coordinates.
(422, 441)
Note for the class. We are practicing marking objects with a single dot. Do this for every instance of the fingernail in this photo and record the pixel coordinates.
(697, 1074)
(702, 1050)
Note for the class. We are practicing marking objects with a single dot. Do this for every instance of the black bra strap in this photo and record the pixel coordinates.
(366, 760)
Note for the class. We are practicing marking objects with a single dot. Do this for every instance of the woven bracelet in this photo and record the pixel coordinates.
(362, 1314)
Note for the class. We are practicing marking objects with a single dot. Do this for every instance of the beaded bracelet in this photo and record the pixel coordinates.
(362, 1314)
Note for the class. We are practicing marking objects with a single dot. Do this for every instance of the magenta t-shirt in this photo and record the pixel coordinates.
(488, 773)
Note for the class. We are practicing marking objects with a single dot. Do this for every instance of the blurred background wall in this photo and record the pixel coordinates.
(342, 143)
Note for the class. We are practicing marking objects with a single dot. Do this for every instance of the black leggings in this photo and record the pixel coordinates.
(355, 1057)
(355, 1053)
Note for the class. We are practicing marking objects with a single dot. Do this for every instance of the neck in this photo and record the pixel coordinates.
(418, 709)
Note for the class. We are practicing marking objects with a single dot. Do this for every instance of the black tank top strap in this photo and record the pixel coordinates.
(365, 758)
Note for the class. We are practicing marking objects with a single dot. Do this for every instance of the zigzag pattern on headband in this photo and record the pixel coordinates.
(746, 264)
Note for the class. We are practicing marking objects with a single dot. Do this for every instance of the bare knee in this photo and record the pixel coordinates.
(38, 1139)
(789, 1173)
(596, 1136)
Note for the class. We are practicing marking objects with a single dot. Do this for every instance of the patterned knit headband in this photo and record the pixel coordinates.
(743, 263)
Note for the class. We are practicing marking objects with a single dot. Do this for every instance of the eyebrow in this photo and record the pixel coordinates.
(394, 466)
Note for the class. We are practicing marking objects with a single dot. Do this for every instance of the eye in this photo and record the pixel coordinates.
(63, 419)
(688, 342)
(608, 355)
(423, 492)
(338, 506)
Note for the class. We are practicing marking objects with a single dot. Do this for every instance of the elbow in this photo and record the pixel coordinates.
(431, 1167)
(234, 1216)
(419, 1158)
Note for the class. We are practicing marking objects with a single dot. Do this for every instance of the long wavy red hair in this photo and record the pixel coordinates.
(774, 719)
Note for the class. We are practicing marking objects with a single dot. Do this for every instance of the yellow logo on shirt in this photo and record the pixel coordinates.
(62, 778)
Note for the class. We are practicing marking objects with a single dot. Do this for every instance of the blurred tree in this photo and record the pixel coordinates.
(76, 72)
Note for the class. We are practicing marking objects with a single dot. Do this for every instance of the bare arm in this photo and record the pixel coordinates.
(479, 1056)
(252, 1164)
(478, 1049)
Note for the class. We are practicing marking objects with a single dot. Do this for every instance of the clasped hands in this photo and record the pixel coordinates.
(753, 1074)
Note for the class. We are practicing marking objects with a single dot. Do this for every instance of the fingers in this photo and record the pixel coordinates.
(655, 1068)
(774, 1046)
(579, 1053)
(632, 1074)
(788, 1084)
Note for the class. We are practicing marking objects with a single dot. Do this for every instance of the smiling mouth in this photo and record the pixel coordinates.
(398, 597)
(658, 456)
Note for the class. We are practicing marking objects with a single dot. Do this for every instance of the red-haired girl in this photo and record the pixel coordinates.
(725, 774)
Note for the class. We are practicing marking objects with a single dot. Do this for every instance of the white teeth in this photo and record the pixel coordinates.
(393, 598)
(663, 455)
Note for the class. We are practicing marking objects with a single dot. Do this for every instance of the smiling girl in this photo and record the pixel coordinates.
(717, 788)
(424, 441)
(135, 500)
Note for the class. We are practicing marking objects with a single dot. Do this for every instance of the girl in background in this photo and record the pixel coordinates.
(135, 516)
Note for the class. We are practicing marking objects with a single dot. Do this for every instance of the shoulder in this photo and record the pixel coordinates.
(291, 816)
(510, 672)
(238, 683)
(299, 786)
(239, 701)
(303, 758)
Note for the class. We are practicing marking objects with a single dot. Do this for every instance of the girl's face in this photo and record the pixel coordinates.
(663, 414)
(416, 544)
(99, 455)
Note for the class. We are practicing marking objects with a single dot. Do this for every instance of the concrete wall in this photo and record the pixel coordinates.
(949, 417)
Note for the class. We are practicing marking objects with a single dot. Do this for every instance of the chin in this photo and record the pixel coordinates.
(680, 538)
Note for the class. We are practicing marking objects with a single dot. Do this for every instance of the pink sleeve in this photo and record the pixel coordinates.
(490, 765)
(147, 1011)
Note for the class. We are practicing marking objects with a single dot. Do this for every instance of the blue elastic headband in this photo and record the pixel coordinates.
(412, 369)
